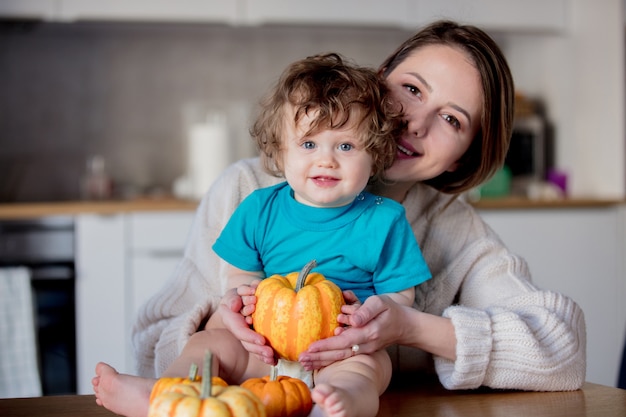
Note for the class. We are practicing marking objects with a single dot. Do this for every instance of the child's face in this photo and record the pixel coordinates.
(326, 169)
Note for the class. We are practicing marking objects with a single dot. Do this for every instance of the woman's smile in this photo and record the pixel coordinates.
(405, 150)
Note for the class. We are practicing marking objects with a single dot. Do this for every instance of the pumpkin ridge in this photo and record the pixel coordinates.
(261, 318)
(331, 304)
(213, 407)
(326, 306)
(272, 398)
(240, 402)
(279, 327)
(309, 312)
(291, 402)
(176, 401)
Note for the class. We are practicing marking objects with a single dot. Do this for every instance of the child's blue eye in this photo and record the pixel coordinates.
(308, 145)
(345, 146)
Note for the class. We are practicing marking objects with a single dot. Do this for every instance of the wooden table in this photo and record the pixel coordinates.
(421, 399)
(429, 399)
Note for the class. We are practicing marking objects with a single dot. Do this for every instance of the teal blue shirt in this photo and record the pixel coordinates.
(367, 246)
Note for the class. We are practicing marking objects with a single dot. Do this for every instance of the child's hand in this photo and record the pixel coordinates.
(352, 304)
(248, 299)
(230, 310)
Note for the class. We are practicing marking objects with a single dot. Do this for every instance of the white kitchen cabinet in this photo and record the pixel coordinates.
(504, 15)
(30, 9)
(100, 295)
(578, 252)
(213, 11)
(530, 15)
(326, 12)
(152, 10)
(122, 260)
(156, 242)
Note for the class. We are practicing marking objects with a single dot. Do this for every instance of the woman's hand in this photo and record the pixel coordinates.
(378, 323)
(374, 325)
(235, 309)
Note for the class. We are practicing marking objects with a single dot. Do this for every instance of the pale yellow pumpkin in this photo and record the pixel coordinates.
(190, 399)
(184, 401)
(165, 383)
(175, 384)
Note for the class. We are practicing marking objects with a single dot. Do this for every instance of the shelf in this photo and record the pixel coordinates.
(512, 203)
(16, 211)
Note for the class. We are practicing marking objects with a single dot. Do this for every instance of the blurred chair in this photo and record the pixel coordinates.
(621, 380)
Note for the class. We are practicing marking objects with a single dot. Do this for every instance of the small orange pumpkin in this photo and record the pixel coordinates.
(282, 396)
(182, 400)
(166, 383)
(292, 313)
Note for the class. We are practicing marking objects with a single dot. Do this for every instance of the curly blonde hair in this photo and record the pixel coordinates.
(337, 93)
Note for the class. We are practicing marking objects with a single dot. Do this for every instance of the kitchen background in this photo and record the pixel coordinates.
(113, 81)
(119, 90)
(80, 78)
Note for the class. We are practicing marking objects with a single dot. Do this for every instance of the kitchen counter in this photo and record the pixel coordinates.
(17, 211)
(525, 203)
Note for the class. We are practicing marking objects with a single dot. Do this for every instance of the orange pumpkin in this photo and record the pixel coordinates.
(295, 310)
(167, 383)
(231, 401)
(184, 400)
(282, 396)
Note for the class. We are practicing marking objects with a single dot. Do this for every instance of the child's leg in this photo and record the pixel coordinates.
(352, 387)
(231, 361)
(129, 395)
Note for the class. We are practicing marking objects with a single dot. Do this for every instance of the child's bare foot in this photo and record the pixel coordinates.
(331, 401)
(122, 394)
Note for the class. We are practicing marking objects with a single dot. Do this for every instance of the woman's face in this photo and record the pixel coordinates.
(441, 95)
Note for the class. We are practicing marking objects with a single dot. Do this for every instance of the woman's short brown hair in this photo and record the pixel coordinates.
(487, 152)
(338, 92)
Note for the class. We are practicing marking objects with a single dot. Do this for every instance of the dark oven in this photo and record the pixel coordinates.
(46, 247)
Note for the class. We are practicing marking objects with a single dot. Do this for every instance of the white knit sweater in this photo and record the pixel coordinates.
(509, 333)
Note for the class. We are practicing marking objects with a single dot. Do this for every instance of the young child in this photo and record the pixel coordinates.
(329, 128)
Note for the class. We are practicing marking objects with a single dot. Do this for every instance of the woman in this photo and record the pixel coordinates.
(480, 318)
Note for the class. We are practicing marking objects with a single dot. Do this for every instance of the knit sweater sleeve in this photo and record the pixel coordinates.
(510, 334)
(167, 320)
(528, 344)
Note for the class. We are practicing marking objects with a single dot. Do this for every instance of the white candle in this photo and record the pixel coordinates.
(208, 153)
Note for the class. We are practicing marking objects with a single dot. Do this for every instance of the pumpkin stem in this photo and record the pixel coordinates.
(206, 375)
(193, 372)
(304, 273)
(273, 373)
